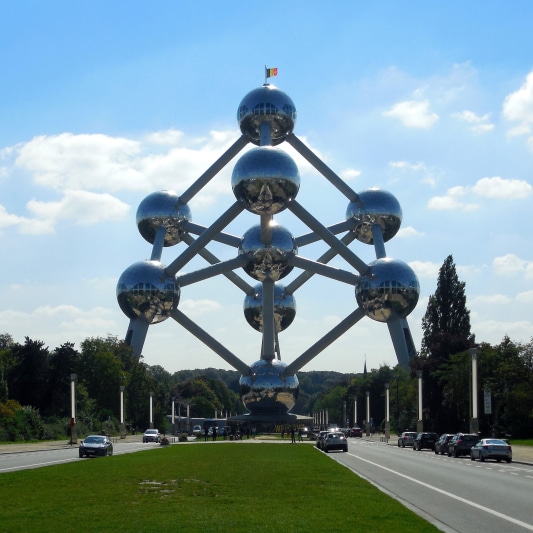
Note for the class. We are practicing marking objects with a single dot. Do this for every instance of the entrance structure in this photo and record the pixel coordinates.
(265, 182)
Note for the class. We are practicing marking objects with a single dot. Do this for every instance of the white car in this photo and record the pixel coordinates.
(152, 435)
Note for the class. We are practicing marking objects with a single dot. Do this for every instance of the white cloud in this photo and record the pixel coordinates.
(497, 187)
(518, 107)
(81, 206)
(470, 116)
(165, 138)
(409, 231)
(349, 174)
(525, 297)
(413, 114)
(425, 269)
(510, 264)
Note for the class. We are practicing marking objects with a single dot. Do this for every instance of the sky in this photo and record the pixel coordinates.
(103, 103)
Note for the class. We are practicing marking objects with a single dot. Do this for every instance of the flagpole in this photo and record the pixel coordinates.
(266, 76)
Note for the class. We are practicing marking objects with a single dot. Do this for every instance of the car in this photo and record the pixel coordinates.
(407, 438)
(96, 445)
(491, 449)
(152, 435)
(196, 430)
(320, 438)
(425, 439)
(356, 432)
(441, 446)
(335, 440)
(461, 443)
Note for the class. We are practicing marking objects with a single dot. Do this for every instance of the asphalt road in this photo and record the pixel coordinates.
(454, 494)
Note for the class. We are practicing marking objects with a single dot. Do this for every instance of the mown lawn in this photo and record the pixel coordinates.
(230, 486)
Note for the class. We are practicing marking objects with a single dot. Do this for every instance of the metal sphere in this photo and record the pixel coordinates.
(389, 290)
(265, 179)
(268, 261)
(162, 209)
(266, 104)
(145, 291)
(267, 390)
(284, 308)
(375, 206)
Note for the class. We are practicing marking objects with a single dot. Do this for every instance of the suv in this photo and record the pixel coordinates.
(425, 440)
(407, 438)
(461, 444)
(152, 435)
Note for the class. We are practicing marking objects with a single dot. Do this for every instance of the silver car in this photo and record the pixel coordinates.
(407, 438)
(491, 449)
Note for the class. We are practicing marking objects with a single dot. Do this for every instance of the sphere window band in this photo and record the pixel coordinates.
(265, 181)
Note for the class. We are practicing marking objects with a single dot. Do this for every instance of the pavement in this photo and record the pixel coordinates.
(521, 454)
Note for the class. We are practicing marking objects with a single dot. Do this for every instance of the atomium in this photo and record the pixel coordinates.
(265, 182)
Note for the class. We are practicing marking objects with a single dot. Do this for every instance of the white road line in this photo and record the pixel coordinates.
(450, 495)
(24, 467)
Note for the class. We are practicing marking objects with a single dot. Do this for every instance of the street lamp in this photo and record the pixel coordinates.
(387, 413)
(151, 410)
(368, 413)
(173, 416)
(420, 422)
(122, 426)
(474, 420)
(73, 427)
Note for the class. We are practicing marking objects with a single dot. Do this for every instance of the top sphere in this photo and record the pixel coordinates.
(375, 206)
(266, 104)
(162, 209)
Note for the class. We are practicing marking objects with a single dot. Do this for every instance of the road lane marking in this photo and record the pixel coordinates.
(450, 495)
(48, 463)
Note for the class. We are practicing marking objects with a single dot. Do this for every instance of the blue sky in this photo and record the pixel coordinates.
(104, 103)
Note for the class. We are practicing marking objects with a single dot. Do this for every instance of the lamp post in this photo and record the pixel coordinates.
(420, 422)
(367, 422)
(122, 426)
(474, 420)
(173, 416)
(355, 412)
(151, 410)
(387, 413)
(73, 427)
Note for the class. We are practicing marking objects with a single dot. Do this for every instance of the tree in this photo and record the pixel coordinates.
(446, 331)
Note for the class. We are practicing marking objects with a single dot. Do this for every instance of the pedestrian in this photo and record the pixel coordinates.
(206, 434)
(214, 433)
(282, 432)
(300, 438)
(292, 435)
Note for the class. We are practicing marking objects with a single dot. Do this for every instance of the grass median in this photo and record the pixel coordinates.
(232, 486)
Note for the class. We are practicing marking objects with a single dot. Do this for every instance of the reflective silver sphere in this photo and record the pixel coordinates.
(266, 104)
(268, 262)
(267, 391)
(145, 291)
(389, 290)
(284, 308)
(375, 206)
(265, 179)
(162, 209)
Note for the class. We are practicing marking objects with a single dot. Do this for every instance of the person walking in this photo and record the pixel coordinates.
(293, 440)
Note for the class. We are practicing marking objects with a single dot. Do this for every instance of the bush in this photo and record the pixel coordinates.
(183, 437)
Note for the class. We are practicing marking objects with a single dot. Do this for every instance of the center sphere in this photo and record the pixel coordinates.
(267, 390)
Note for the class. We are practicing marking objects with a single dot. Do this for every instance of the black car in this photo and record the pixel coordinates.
(356, 432)
(461, 444)
(425, 440)
(96, 445)
(441, 446)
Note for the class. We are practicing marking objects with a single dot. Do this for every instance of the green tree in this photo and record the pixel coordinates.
(446, 331)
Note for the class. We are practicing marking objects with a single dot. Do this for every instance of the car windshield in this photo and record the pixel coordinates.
(151, 431)
(496, 441)
(335, 435)
(94, 440)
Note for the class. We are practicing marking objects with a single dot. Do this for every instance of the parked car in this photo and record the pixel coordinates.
(335, 441)
(425, 439)
(356, 432)
(152, 435)
(441, 446)
(491, 449)
(407, 438)
(95, 445)
(461, 443)
(197, 430)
